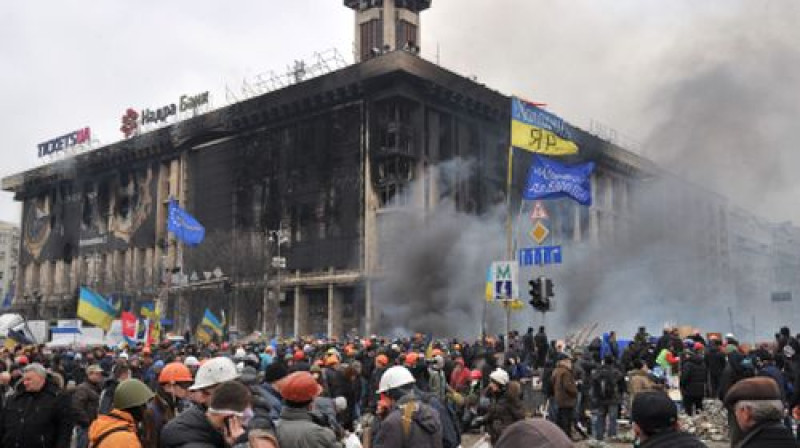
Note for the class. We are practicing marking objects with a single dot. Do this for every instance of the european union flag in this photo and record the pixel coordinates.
(184, 226)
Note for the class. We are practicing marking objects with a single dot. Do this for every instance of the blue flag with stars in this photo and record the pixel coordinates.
(184, 226)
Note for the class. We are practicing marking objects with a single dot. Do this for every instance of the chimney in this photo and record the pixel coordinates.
(386, 25)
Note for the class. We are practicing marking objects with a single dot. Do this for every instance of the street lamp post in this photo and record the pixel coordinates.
(270, 307)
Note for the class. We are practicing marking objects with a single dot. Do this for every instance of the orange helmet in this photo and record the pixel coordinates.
(175, 372)
(382, 360)
(411, 358)
(299, 387)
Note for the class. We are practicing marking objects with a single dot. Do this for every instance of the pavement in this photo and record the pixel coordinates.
(470, 440)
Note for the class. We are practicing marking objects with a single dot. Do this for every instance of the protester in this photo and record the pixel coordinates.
(505, 408)
(299, 427)
(85, 403)
(655, 423)
(37, 413)
(608, 385)
(533, 433)
(565, 392)
(119, 373)
(758, 409)
(171, 398)
(118, 428)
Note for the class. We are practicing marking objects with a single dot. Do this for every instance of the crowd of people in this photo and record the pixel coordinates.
(520, 389)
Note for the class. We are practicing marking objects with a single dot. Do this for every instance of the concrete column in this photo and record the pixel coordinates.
(300, 310)
(334, 311)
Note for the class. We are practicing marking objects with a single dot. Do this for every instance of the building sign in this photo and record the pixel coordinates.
(132, 121)
(79, 137)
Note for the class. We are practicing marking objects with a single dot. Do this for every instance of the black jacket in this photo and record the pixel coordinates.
(768, 435)
(191, 428)
(673, 439)
(694, 377)
(31, 420)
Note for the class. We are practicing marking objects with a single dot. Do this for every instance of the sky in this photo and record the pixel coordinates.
(710, 90)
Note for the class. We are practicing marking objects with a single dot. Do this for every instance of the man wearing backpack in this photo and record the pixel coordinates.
(407, 421)
(119, 427)
(608, 385)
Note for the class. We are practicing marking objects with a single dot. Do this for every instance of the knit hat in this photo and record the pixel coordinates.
(653, 410)
(536, 432)
(274, 372)
(758, 388)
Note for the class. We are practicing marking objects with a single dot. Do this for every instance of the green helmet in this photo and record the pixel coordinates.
(131, 393)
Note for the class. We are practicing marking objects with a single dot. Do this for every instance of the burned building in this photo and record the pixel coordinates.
(298, 190)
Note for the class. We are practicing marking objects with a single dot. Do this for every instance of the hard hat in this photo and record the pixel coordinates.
(332, 359)
(240, 354)
(395, 377)
(411, 359)
(299, 387)
(382, 360)
(475, 374)
(499, 376)
(213, 372)
(22, 360)
(175, 372)
(132, 393)
(299, 355)
(191, 361)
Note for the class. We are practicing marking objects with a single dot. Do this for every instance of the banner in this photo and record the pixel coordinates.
(129, 324)
(548, 179)
(536, 130)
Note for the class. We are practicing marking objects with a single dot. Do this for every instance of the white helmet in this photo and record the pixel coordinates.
(499, 376)
(239, 354)
(191, 361)
(395, 377)
(213, 372)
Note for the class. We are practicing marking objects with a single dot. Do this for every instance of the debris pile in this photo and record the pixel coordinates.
(709, 424)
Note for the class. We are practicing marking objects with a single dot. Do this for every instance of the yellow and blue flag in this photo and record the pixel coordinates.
(95, 309)
(209, 326)
(147, 310)
(489, 285)
(535, 130)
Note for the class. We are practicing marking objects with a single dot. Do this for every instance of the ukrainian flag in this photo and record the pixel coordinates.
(95, 309)
(208, 326)
(489, 285)
(535, 130)
(148, 310)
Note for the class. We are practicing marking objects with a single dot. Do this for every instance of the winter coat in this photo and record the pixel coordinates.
(297, 429)
(504, 410)
(274, 398)
(694, 376)
(117, 429)
(639, 381)
(771, 434)
(715, 361)
(159, 412)
(107, 396)
(85, 402)
(191, 429)
(564, 388)
(615, 381)
(39, 419)
(673, 439)
(423, 430)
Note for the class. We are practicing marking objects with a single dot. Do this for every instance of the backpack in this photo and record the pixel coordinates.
(604, 385)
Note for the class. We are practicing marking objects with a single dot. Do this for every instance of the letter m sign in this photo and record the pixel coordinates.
(504, 277)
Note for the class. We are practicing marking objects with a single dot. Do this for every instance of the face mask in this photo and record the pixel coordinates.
(247, 416)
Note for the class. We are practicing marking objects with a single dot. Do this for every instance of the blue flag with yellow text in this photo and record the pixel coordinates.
(184, 226)
(548, 179)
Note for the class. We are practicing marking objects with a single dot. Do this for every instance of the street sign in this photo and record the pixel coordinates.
(782, 296)
(539, 232)
(542, 255)
(539, 212)
(504, 278)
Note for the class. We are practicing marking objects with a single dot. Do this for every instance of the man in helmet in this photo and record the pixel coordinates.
(300, 427)
(407, 420)
(170, 400)
(505, 407)
(118, 427)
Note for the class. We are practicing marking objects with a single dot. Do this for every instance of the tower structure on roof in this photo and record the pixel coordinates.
(382, 26)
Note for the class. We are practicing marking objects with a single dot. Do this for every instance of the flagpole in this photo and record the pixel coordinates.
(509, 255)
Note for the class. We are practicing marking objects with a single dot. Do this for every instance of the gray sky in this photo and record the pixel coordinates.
(710, 89)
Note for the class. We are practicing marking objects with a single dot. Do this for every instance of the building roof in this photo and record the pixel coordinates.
(347, 84)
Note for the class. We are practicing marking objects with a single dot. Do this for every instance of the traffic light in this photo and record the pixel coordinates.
(535, 292)
(541, 292)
